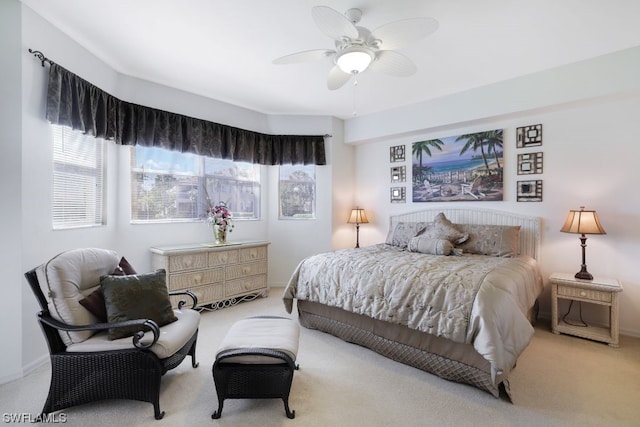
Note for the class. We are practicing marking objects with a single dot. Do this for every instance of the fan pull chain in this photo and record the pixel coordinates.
(355, 86)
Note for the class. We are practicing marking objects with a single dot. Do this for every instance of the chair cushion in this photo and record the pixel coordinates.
(172, 337)
(137, 296)
(69, 277)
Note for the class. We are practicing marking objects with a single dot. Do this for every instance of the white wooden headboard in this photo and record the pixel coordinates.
(529, 225)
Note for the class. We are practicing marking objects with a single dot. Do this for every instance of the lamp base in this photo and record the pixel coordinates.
(583, 274)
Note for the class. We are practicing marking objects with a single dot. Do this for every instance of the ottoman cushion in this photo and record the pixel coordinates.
(274, 333)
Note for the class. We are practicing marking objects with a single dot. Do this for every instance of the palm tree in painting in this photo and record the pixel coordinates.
(493, 140)
(475, 142)
(425, 147)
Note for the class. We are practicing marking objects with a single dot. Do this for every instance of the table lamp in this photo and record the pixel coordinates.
(583, 222)
(357, 217)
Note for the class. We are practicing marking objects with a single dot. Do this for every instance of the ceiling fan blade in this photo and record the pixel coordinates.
(307, 55)
(337, 78)
(397, 34)
(333, 23)
(393, 63)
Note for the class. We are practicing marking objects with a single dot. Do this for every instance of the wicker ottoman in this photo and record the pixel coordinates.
(256, 360)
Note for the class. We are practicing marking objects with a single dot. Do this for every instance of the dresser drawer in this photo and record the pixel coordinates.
(587, 294)
(245, 285)
(223, 258)
(187, 262)
(243, 270)
(195, 278)
(205, 294)
(253, 254)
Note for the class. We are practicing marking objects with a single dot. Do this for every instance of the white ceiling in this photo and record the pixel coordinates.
(223, 49)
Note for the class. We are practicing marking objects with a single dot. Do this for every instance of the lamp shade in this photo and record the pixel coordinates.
(354, 60)
(358, 216)
(583, 222)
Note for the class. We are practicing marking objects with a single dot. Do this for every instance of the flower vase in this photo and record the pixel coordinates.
(220, 234)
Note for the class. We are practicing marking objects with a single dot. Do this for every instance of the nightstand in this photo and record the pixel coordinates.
(600, 290)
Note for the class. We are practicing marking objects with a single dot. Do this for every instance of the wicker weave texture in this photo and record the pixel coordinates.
(443, 367)
(78, 378)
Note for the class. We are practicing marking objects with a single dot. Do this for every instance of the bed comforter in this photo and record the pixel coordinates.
(470, 299)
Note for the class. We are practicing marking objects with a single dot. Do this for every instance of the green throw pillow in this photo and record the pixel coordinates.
(138, 296)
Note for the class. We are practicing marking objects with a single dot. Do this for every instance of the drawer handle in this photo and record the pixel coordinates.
(246, 269)
(583, 294)
(197, 279)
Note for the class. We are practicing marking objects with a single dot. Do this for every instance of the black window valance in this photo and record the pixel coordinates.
(74, 102)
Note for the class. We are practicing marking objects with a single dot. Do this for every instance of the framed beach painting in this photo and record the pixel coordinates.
(457, 168)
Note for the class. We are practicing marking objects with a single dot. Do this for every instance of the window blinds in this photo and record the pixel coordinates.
(77, 179)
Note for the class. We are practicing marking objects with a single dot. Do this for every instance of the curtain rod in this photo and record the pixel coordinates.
(40, 56)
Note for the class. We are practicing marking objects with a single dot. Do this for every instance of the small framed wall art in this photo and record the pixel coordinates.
(398, 174)
(397, 153)
(530, 163)
(398, 195)
(529, 136)
(530, 191)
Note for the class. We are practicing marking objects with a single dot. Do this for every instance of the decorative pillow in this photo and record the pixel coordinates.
(425, 245)
(403, 232)
(94, 302)
(123, 268)
(138, 296)
(492, 240)
(442, 228)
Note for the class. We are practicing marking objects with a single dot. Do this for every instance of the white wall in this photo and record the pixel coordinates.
(590, 158)
(10, 171)
(589, 153)
(289, 240)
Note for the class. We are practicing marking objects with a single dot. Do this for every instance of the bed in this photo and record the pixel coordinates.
(451, 291)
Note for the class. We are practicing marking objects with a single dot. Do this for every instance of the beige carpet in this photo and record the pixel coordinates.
(559, 381)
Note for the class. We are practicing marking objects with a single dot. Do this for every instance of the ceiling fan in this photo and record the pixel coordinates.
(358, 48)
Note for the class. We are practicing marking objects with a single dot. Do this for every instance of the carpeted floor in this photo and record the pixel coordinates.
(559, 381)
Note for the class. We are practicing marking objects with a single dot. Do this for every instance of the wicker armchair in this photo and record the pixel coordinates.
(85, 365)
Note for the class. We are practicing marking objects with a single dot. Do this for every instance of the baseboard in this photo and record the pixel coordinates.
(42, 360)
(26, 370)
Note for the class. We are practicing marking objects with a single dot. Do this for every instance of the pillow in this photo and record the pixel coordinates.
(492, 240)
(403, 232)
(138, 296)
(94, 302)
(442, 228)
(425, 245)
(123, 268)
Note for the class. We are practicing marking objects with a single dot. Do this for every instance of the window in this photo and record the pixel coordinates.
(297, 192)
(78, 172)
(169, 186)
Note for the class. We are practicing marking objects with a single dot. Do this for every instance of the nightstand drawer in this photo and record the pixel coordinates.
(589, 294)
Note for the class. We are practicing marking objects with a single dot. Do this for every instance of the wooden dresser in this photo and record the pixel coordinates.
(220, 275)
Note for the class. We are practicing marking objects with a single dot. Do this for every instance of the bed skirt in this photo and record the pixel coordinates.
(449, 360)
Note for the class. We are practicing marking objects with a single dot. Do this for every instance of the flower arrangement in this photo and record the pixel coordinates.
(221, 216)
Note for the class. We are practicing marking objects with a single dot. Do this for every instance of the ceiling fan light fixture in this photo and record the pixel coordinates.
(354, 59)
